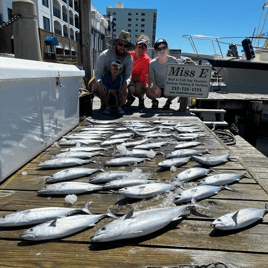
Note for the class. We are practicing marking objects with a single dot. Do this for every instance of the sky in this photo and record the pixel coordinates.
(175, 18)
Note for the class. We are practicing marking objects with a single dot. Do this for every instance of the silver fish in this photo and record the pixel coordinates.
(186, 137)
(80, 155)
(198, 193)
(212, 160)
(186, 152)
(38, 215)
(63, 162)
(139, 223)
(125, 161)
(188, 129)
(169, 123)
(190, 174)
(152, 145)
(83, 136)
(80, 141)
(145, 190)
(223, 179)
(146, 129)
(136, 153)
(185, 124)
(71, 174)
(61, 227)
(121, 129)
(64, 188)
(176, 162)
(89, 131)
(189, 144)
(134, 143)
(110, 176)
(127, 182)
(143, 134)
(239, 219)
(121, 136)
(83, 149)
(102, 122)
(97, 129)
(113, 141)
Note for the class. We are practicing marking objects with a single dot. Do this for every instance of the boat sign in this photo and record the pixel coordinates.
(187, 80)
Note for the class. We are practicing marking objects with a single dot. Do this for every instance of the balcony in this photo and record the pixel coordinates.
(56, 12)
(56, 31)
(65, 17)
(71, 21)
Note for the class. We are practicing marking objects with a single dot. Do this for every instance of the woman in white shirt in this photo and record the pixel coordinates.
(157, 74)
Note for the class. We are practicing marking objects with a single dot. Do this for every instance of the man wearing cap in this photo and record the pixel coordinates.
(140, 77)
(119, 50)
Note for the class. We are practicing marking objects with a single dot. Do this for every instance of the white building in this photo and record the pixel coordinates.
(135, 21)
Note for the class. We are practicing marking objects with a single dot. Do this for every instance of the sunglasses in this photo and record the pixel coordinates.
(161, 48)
(141, 46)
(116, 67)
(122, 45)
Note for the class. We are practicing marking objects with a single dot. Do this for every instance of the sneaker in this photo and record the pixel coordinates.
(107, 110)
(141, 103)
(130, 100)
(120, 110)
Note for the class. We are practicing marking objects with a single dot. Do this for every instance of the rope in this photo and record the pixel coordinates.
(12, 20)
(227, 137)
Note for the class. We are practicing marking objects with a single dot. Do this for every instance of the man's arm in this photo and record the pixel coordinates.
(128, 69)
(100, 68)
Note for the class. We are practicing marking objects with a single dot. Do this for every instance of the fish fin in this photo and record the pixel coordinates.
(195, 204)
(228, 188)
(85, 209)
(25, 212)
(266, 207)
(129, 215)
(53, 223)
(247, 176)
(234, 217)
(175, 218)
(109, 213)
(208, 151)
(93, 161)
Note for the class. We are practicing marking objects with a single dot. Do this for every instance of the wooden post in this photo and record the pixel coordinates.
(253, 121)
(183, 104)
(84, 55)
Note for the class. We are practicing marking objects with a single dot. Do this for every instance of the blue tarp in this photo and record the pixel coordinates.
(51, 41)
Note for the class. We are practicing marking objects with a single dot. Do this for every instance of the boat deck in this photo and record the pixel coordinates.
(189, 242)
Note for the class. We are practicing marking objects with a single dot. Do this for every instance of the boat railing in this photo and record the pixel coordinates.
(217, 42)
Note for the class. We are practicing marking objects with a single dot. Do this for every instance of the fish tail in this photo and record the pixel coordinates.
(195, 204)
(85, 209)
(247, 176)
(228, 188)
(266, 208)
(109, 213)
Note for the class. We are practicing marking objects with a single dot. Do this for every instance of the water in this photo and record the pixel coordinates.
(262, 144)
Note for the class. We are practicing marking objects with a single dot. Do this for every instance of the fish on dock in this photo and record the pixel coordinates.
(114, 141)
(212, 160)
(152, 145)
(176, 162)
(80, 141)
(186, 152)
(81, 155)
(189, 144)
(63, 162)
(110, 176)
(126, 182)
(125, 161)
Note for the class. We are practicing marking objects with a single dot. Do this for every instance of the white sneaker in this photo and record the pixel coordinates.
(120, 110)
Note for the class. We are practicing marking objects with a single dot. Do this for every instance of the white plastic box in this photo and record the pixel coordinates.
(39, 102)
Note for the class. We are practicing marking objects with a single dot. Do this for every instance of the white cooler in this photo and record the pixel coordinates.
(39, 102)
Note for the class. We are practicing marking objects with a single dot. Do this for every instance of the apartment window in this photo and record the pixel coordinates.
(46, 23)
(137, 19)
(142, 25)
(142, 31)
(114, 13)
(129, 30)
(136, 24)
(114, 19)
(130, 14)
(142, 19)
(129, 19)
(129, 25)
(137, 13)
(114, 30)
(136, 30)
(45, 3)
(143, 14)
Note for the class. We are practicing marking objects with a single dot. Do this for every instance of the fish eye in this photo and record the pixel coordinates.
(3, 217)
(103, 228)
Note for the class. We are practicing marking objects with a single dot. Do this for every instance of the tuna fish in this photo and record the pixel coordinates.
(83, 149)
(223, 179)
(38, 215)
(191, 174)
(102, 122)
(83, 137)
(198, 193)
(61, 227)
(110, 176)
(80, 155)
(89, 131)
(146, 129)
(125, 161)
(188, 129)
(239, 218)
(134, 143)
(64, 188)
(186, 152)
(139, 223)
(186, 137)
(189, 144)
(211, 161)
(127, 182)
(137, 153)
(63, 162)
(185, 124)
(152, 145)
(71, 174)
(101, 129)
(121, 136)
(145, 190)
(176, 162)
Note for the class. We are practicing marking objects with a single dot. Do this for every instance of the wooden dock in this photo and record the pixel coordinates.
(189, 242)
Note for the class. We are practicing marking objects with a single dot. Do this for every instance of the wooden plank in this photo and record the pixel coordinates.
(118, 255)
